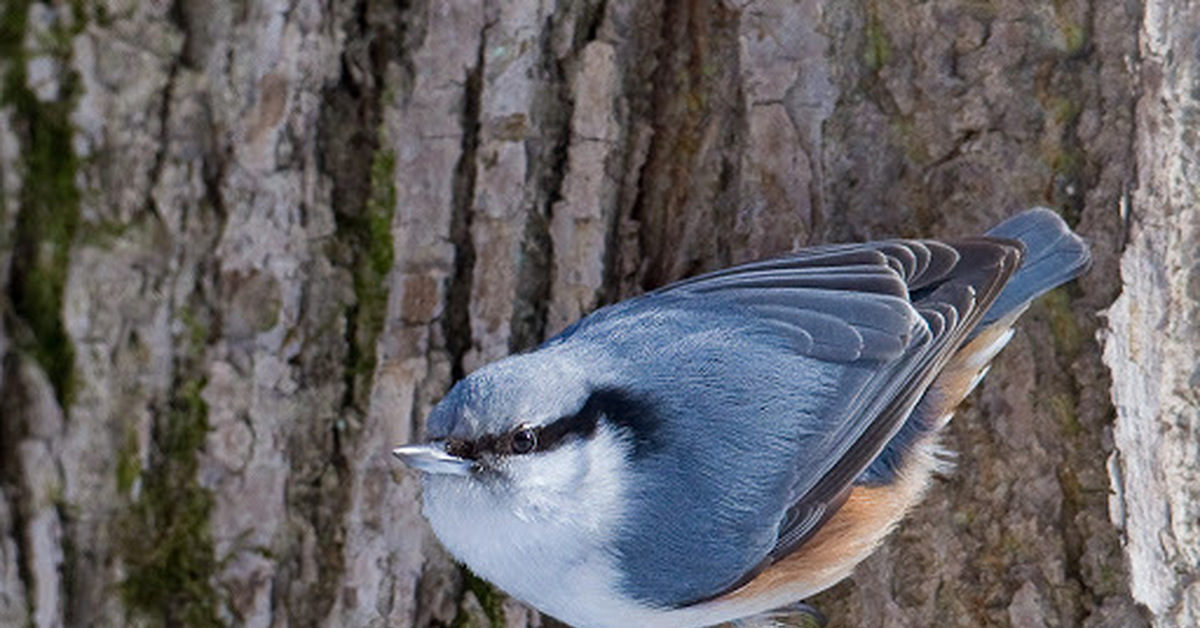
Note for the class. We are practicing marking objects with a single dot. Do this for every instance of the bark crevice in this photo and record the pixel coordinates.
(361, 166)
(456, 321)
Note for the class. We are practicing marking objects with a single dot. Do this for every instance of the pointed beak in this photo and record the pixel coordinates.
(432, 458)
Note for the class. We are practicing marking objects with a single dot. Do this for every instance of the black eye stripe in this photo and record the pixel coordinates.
(617, 408)
(553, 434)
(462, 448)
(542, 438)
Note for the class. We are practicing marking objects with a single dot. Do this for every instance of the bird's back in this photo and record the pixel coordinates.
(703, 422)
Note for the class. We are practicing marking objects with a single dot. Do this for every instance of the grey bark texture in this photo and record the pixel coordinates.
(1153, 335)
(246, 246)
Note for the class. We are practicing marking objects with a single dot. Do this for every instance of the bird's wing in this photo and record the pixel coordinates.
(899, 309)
(840, 303)
(810, 363)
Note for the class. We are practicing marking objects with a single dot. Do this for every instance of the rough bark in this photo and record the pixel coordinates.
(244, 248)
(1153, 339)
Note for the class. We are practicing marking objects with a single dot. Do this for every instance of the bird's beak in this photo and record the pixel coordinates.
(432, 458)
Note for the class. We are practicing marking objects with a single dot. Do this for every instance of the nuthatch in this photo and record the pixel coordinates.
(727, 445)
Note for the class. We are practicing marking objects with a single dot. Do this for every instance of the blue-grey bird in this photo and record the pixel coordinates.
(725, 446)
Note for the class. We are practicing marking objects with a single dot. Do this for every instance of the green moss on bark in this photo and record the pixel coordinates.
(167, 545)
(380, 207)
(490, 599)
(129, 463)
(163, 536)
(369, 235)
(878, 49)
(48, 215)
(1068, 337)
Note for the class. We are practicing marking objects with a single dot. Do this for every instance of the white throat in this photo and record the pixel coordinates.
(542, 531)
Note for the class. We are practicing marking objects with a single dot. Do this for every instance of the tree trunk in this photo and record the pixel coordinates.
(246, 246)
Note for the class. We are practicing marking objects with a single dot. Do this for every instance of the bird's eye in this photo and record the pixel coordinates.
(524, 440)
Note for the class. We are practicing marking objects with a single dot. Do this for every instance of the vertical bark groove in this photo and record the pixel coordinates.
(456, 323)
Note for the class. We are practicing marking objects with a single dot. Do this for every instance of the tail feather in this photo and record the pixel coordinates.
(1053, 256)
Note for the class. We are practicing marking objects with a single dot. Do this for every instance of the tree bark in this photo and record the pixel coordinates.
(246, 246)
(1153, 341)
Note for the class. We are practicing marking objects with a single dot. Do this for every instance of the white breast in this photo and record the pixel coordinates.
(541, 532)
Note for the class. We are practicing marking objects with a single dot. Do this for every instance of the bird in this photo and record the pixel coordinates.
(719, 449)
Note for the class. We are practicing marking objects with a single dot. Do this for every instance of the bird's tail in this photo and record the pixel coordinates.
(1053, 256)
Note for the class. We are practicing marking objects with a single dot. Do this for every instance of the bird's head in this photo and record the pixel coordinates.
(539, 437)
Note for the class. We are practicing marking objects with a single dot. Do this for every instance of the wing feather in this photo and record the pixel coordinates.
(871, 325)
(843, 303)
(897, 308)
(948, 314)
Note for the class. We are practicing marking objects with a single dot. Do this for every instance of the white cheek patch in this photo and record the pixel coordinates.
(540, 482)
(578, 483)
(540, 529)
